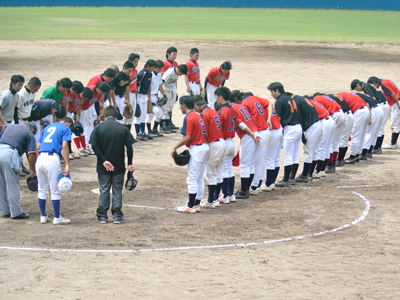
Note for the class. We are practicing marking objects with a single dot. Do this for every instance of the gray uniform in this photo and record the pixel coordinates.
(14, 137)
(8, 99)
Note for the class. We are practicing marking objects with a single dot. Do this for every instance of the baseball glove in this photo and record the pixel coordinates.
(304, 139)
(162, 101)
(149, 107)
(32, 183)
(202, 94)
(128, 111)
(182, 159)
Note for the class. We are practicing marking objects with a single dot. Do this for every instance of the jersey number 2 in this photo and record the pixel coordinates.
(51, 131)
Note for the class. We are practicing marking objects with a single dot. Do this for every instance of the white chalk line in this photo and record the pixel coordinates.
(300, 237)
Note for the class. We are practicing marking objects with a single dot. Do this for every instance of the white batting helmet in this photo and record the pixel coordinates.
(64, 183)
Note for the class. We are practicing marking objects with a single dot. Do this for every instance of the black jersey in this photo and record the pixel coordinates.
(345, 107)
(120, 84)
(308, 114)
(371, 91)
(371, 101)
(286, 110)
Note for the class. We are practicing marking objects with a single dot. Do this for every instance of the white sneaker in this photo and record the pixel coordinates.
(253, 192)
(187, 209)
(232, 198)
(216, 203)
(83, 153)
(389, 146)
(44, 219)
(71, 156)
(316, 175)
(197, 208)
(61, 221)
(223, 200)
(76, 155)
(268, 188)
(322, 174)
(206, 204)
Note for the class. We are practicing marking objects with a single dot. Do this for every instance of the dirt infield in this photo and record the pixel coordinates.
(319, 240)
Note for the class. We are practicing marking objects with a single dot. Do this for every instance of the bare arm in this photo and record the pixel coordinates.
(188, 89)
(393, 95)
(3, 123)
(65, 153)
(32, 160)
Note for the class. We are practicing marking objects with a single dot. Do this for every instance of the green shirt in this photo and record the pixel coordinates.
(52, 93)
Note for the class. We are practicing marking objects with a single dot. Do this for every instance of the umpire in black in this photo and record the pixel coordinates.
(108, 140)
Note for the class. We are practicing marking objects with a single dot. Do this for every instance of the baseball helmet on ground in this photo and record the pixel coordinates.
(77, 129)
(32, 183)
(182, 159)
(64, 183)
(131, 181)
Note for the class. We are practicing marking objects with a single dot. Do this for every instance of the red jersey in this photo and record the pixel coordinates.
(321, 110)
(193, 71)
(194, 126)
(216, 78)
(167, 65)
(96, 98)
(243, 117)
(213, 124)
(68, 97)
(353, 100)
(276, 123)
(133, 81)
(388, 88)
(228, 118)
(255, 106)
(95, 80)
(74, 104)
(331, 105)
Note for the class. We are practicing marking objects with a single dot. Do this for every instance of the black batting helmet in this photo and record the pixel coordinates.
(78, 129)
(131, 181)
(182, 159)
(32, 183)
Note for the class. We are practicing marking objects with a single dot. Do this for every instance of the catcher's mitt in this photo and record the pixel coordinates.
(182, 159)
(162, 101)
(128, 111)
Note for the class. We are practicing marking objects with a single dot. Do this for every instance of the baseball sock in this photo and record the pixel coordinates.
(286, 174)
(335, 156)
(218, 191)
(250, 180)
(77, 142)
(342, 153)
(324, 164)
(83, 141)
(56, 207)
(148, 127)
(295, 167)
(155, 126)
(319, 165)
(364, 152)
(370, 149)
(231, 185)
(259, 183)
(380, 141)
(42, 206)
(142, 127)
(197, 202)
(244, 184)
(395, 136)
(306, 168)
(330, 159)
(270, 176)
(137, 128)
(225, 186)
(275, 174)
(192, 198)
(211, 193)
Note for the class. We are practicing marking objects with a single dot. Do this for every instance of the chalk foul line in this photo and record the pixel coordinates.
(300, 237)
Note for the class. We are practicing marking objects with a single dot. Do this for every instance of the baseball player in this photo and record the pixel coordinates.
(392, 95)
(134, 58)
(106, 77)
(192, 78)
(255, 106)
(328, 128)
(156, 88)
(289, 116)
(109, 98)
(371, 90)
(26, 97)
(90, 112)
(52, 142)
(169, 63)
(8, 99)
(170, 78)
(338, 117)
(216, 78)
(361, 118)
(247, 132)
(57, 91)
(121, 87)
(144, 96)
(194, 137)
(216, 144)
(312, 131)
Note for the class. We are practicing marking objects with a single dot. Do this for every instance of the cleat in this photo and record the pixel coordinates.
(241, 195)
(301, 178)
(165, 130)
(329, 169)
(253, 192)
(119, 221)
(173, 126)
(340, 163)
(102, 221)
(197, 208)
(363, 157)
(369, 155)
(377, 151)
(61, 221)
(323, 174)
(141, 138)
(44, 219)
(389, 146)
(223, 200)
(292, 181)
(316, 175)
(25, 170)
(309, 177)
(187, 209)
(205, 204)
(350, 161)
(71, 157)
(232, 198)
(83, 153)
(282, 184)
(216, 203)
(62, 160)
(266, 188)
(147, 136)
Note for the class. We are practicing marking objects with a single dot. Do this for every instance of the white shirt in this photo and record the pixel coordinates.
(7, 103)
(169, 79)
(156, 80)
(25, 103)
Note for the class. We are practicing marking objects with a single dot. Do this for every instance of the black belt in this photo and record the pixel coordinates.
(195, 82)
(198, 144)
(362, 107)
(48, 153)
(214, 141)
(374, 106)
(347, 112)
(327, 118)
(9, 122)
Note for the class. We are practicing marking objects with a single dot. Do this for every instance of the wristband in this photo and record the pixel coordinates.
(252, 134)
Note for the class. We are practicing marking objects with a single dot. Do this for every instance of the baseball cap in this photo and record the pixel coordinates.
(64, 182)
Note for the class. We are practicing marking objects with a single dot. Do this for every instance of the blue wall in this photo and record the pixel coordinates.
(324, 4)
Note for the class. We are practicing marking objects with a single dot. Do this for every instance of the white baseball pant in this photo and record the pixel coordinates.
(348, 126)
(169, 105)
(328, 127)
(229, 155)
(195, 88)
(87, 118)
(48, 168)
(340, 122)
(395, 118)
(386, 112)
(373, 128)
(215, 163)
(274, 150)
(313, 136)
(261, 156)
(361, 119)
(142, 101)
(197, 164)
(291, 144)
(211, 95)
(121, 106)
(247, 155)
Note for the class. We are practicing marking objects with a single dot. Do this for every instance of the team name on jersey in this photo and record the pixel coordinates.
(219, 78)
(29, 102)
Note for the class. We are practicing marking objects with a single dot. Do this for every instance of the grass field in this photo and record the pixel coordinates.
(199, 23)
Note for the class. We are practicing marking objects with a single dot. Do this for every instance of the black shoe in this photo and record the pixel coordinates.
(155, 132)
(363, 157)
(282, 183)
(7, 216)
(369, 155)
(302, 178)
(147, 136)
(339, 163)
(21, 216)
(173, 126)
(165, 130)
(242, 195)
(329, 169)
(170, 129)
(292, 181)
(357, 159)
(350, 161)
